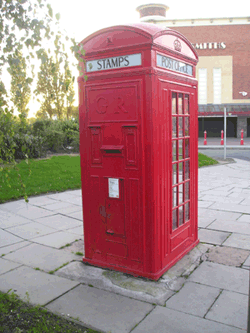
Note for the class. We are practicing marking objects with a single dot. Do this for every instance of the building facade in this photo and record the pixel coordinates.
(223, 71)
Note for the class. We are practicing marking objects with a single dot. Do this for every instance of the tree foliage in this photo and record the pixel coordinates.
(20, 84)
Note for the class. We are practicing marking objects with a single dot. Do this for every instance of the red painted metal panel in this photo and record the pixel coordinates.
(138, 150)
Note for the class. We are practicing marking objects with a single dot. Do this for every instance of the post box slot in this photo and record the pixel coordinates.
(112, 150)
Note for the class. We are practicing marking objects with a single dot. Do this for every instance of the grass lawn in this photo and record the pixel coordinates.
(205, 160)
(55, 174)
(17, 316)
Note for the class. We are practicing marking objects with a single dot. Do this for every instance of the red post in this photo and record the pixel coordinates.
(222, 138)
(241, 140)
(205, 138)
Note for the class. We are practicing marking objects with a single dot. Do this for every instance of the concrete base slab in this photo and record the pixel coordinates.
(105, 311)
(231, 309)
(137, 288)
(164, 320)
(221, 276)
(35, 286)
(194, 299)
(8, 238)
(38, 256)
(227, 255)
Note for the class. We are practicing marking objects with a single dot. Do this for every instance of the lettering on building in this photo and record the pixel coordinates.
(114, 62)
(209, 46)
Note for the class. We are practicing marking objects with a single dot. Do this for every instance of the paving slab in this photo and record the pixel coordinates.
(217, 214)
(231, 309)
(76, 215)
(244, 218)
(31, 230)
(8, 219)
(231, 226)
(77, 246)
(8, 238)
(35, 286)
(33, 212)
(41, 200)
(70, 209)
(227, 255)
(230, 207)
(221, 276)
(204, 203)
(246, 264)
(59, 222)
(57, 239)
(212, 236)
(13, 205)
(164, 320)
(75, 192)
(105, 311)
(61, 205)
(12, 248)
(117, 282)
(239, 241)
(74, 200)
(42, 257)
(215, 198)
(194, 299)
(78, 231)
(6, 265)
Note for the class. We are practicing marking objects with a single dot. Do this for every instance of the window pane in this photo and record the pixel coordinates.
(175, 196)
(180, 143)
(181, 194)
(187, 126)
(181, 178)
(180, 106)
(187, 151)
(174, 223)
(174, 174)
(187, 170)
(174, 130)
(187, 191)
(186, 104)
(180, 133)
(187, 211)
(181, 212)
(174, 103)
(174, 151)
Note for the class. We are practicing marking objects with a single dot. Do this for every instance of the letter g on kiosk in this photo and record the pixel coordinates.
(138, 148)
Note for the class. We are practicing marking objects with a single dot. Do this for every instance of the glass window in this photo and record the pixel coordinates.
(180, 132)
(174, 103)
(174, 151)
(174, 174)
(174, 222)
(181, 194)
(181, 211)
(180, 106)
(181, 178)
(174, 127)
(187, 170)
(187, 211)
(187, 191)
(180, 144)
(186, 104)
(175, 197)
(187, 126)
(187, 151)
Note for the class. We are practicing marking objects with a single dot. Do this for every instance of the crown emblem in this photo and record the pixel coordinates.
(177, 45)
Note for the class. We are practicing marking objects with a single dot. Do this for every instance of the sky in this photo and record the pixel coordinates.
(80, 18)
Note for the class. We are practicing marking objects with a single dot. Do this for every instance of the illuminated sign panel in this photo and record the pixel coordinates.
(174, 65)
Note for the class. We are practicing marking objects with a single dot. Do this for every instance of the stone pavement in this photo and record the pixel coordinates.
(41, 245)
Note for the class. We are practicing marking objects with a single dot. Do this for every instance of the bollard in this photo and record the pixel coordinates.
(205, 138)
(222, 138)
(241, 140)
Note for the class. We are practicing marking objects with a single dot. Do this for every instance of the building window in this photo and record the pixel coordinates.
(217, 85)
(202, 86)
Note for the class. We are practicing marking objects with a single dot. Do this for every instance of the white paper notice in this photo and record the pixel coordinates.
(113, 188)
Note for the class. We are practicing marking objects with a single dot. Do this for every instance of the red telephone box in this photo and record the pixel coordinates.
(138, 148)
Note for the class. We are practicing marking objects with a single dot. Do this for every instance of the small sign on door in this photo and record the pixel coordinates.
(113, 188)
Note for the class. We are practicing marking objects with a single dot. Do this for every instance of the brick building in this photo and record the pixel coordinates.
(223, 71)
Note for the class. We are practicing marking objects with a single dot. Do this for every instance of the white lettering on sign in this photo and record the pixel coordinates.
(113, 188)
(113, 63)
(174, 65)
(209, 46)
